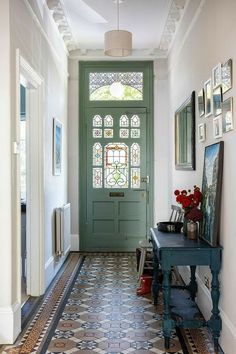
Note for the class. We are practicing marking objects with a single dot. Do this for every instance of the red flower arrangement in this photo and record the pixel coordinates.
(190, 202)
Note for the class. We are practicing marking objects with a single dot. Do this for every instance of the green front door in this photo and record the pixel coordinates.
(116, 217)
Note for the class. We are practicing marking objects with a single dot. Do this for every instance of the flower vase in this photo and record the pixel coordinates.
(192, 230)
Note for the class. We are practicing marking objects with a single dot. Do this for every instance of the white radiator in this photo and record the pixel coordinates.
(62, 228)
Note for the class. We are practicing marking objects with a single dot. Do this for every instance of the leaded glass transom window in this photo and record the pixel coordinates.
(116, 168)
(110, 86)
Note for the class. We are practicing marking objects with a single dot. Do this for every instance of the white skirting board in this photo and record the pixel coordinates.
(10, 323)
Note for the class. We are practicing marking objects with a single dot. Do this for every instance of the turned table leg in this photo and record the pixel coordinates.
(167, 321)
(193, 284)
(215, 322)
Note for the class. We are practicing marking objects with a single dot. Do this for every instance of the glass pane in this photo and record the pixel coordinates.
(116, 166)
(97, 121)
(124, 133)
(108, 133)
(110, 86)
(97, 177)
(135, 133)
(97, 133)
(124, 121)
(135, 177)
(135, 121)
(135, 155)
(97, 154)
(108, 121)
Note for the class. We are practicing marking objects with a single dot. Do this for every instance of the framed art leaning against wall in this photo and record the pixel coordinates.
(211, 193)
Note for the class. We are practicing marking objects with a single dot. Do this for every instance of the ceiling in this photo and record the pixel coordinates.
(82, 24)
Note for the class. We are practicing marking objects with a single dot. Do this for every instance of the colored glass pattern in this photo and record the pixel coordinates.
(124, 133)
(135, 133)
(97, 133)
(135, 177)
(108, 133)
(97, 121)
(116, 171)
(135, 154)
(135, 121)
(124, 121)
(97, 154)
(97, 177)
(108, 121)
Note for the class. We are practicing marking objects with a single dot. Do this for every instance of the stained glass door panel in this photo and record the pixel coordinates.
(116, 191)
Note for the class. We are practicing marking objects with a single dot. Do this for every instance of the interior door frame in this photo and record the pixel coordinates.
(106, 66)
(35, 176)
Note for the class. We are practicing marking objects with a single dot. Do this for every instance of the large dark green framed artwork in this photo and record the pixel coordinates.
(211, 192)
(185, 135)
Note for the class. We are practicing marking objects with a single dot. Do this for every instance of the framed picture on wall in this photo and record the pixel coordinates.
(226, 75)
(217, 127)
(211, 193)
(216, 76)
(201, 132)
(201, 103)
(57, 147)
(227, 115)
(208, 98)
(217, 101)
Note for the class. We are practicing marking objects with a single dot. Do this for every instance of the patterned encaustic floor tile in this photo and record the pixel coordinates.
(93, 308)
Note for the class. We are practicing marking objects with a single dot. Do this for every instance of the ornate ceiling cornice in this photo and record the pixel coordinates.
(175, 14)
(61, 20)
(173, 20)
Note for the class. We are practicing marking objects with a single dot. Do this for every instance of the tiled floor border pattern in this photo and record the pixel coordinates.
(33, 336)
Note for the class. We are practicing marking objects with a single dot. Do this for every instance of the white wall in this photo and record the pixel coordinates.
(197, 49)
(37, 38)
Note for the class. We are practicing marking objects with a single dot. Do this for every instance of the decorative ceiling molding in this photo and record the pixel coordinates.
(174, 17)
(60, 18)
(173, 20)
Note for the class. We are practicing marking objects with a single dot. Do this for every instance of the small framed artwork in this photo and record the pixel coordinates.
(226, 75)
(217, 101)
(208, 98)
(57, 147)
(217, 127)
(227, 115)
(201, 106)
(201, 132)
(211, 193)
(216, 76)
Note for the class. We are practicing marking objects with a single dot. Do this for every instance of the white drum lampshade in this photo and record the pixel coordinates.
(118, 43)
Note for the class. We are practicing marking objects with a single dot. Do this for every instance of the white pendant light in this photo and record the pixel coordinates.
(118, 43)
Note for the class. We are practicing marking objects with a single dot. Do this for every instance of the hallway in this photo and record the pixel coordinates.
(92, 307)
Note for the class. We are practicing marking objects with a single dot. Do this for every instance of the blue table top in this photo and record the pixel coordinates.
(177, 241)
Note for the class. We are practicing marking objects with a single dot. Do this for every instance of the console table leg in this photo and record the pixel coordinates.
(215, 322)
(167, 322)
(193, 284)
(155, 282)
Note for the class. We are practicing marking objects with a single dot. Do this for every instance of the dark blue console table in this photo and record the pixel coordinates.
(174, 249)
